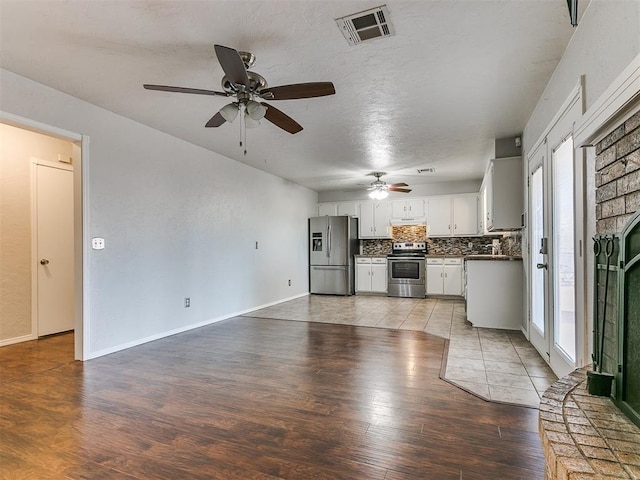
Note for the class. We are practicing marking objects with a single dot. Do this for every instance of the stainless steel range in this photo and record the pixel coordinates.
(406, 270)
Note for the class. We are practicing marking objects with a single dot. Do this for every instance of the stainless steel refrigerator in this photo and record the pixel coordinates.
(332, 243)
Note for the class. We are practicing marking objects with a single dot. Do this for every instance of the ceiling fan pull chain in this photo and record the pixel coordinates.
(243, 127)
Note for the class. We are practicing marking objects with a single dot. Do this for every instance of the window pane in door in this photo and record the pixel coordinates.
(563, 250)
(537, 275)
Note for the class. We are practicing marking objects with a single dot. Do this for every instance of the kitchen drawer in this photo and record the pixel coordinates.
(379, 260)
(453, 261)
(363, 260)
(434, 261)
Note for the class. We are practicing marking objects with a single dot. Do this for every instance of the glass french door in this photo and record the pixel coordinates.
(552, 306)
(539, 328)
(563, 256)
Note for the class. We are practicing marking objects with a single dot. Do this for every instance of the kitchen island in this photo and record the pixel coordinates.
(493, 291)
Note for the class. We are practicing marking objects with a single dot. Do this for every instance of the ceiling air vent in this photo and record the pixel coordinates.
(367, 25)
(426, 170)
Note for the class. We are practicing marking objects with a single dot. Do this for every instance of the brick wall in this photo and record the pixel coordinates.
(618, 176)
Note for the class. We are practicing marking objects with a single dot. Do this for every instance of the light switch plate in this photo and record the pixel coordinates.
(97, 243)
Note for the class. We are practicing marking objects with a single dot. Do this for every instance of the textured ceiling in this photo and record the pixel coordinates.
(456, 75)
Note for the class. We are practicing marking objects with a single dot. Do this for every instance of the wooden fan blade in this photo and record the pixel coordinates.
(401, 184)
(215, 121)
(398, 189)
(282, 120)
(232, 65)
(298, 90)
(196, 91)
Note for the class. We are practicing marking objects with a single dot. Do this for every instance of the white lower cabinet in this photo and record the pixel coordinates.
(444, 276)
(371, 274)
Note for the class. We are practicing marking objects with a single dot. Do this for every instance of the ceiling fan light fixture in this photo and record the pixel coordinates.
(250, 122)
(229, 112)
(378, 194)
(256, 110)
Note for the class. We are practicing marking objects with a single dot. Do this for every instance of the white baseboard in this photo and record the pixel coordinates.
(175, 331)
(23, 338)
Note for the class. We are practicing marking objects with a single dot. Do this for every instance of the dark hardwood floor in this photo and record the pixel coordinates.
(252, 398)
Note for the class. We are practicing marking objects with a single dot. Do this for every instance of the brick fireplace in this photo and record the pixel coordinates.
(584, 436)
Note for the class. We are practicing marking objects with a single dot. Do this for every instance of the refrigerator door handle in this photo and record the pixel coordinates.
(330, 267)
(329, 240)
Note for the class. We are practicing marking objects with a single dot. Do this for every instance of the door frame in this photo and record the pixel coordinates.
(560, 128)
(35, 309)
(81, 219)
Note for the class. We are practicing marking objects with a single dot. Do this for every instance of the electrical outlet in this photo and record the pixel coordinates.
(97, 243)
(470, 245)
(187, 302)
(289, 282)
(256, 245)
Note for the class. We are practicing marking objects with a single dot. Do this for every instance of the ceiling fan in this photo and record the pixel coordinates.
(249, 89)
(379, 190)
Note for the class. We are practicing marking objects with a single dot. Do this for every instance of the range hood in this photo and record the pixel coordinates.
(408, 221)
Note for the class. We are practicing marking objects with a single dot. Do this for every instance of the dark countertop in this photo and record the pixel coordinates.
(466, 257)
(492, 257)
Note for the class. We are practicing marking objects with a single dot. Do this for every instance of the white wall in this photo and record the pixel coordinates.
(177, 220)
(16, 150)
(604, 43)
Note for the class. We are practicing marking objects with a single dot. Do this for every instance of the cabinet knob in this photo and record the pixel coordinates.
(44, 261)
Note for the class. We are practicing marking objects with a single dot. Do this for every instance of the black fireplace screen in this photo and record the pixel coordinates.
(628, 378)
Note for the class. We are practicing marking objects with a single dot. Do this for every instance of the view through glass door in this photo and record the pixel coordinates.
(539, 331)
(563, 264)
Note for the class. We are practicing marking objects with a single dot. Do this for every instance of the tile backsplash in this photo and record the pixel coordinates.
(511, 243)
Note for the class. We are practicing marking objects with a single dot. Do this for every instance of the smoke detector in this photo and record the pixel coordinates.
(367, 25)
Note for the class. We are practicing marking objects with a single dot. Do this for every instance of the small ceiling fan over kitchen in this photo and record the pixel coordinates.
(379, 190)
(249, 89)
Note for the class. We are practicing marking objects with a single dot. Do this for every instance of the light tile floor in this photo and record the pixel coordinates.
(497, 365)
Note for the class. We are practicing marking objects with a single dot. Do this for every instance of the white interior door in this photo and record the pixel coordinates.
(55, 249)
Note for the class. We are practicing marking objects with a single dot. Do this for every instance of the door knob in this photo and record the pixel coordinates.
(542, 265)
(44, 261)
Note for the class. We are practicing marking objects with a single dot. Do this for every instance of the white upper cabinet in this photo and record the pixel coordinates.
(465, 215)
(412, 209)
(503, 187)
(348, 208)
(327, 209)
(457, 216)
(439, 216)
(340, 208)
(375, 220)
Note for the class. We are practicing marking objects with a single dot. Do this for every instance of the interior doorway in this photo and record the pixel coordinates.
(60, 155)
